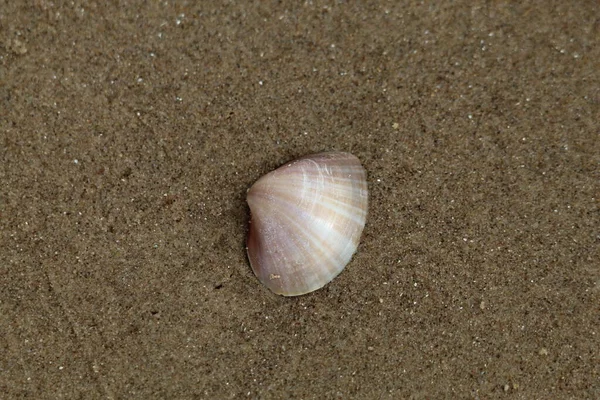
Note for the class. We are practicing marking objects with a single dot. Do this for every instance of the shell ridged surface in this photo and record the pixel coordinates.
(306, 220)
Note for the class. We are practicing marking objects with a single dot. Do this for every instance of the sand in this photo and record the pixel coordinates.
(128, 138)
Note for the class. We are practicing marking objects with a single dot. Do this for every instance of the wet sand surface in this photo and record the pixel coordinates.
(128, 138)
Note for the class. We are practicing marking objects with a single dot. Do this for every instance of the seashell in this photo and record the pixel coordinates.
(306, 220)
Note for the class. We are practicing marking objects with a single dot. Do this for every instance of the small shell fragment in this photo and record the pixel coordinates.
(306, 220)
